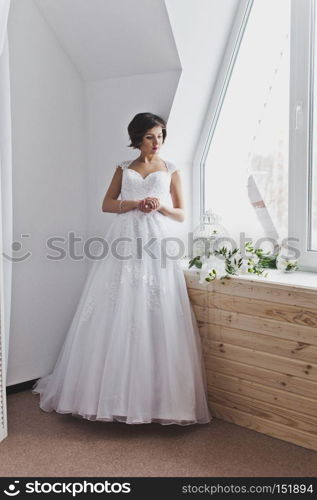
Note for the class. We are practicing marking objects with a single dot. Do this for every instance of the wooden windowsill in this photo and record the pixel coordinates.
(300, 279)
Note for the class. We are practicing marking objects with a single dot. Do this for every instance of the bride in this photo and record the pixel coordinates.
(133, 352)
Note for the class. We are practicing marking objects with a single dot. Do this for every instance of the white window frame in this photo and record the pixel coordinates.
(301, 128)
(300, 122)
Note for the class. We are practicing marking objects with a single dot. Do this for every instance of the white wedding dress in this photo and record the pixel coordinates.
(133, 352)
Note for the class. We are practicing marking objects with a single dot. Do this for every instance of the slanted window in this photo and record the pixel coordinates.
(246, 169)
(259, 167)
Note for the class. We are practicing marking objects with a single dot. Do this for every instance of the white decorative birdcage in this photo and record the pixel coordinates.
(207, 232)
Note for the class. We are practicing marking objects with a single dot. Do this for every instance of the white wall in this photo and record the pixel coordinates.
(113, 38)
(111, 105)
(67, 138)
(49, 189)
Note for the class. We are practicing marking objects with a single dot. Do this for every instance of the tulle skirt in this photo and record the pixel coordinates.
(132, 352)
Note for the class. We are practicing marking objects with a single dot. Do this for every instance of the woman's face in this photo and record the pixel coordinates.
(152, 141)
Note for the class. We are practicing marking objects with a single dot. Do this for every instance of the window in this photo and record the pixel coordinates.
(312, 179)
(303, 170)
(313, 207)
(258, 168)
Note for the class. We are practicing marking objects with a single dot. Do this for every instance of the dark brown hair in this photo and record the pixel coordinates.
(140, 124)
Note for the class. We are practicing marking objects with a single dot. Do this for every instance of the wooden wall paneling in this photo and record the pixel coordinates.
(260, 350)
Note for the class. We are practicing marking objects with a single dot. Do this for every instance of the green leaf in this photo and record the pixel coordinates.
(195, 262)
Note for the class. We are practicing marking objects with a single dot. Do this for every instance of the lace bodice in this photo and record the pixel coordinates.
(157, 184)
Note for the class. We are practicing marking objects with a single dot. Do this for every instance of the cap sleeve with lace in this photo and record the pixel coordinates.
(123, 165)
(172, 167)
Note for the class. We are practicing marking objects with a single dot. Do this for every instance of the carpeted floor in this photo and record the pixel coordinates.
(51, 444)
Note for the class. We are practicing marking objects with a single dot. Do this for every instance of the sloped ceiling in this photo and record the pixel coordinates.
(113, 38)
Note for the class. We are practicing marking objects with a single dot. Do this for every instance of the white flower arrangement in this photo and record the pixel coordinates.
(286, 264)
(224, 263)
(212, 267)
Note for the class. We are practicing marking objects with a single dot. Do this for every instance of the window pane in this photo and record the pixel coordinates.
(313, 184)
(246, 170)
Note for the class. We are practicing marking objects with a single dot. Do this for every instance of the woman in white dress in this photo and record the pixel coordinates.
(133, 352)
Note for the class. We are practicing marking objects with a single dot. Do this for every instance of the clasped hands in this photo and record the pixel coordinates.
(149, 204)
